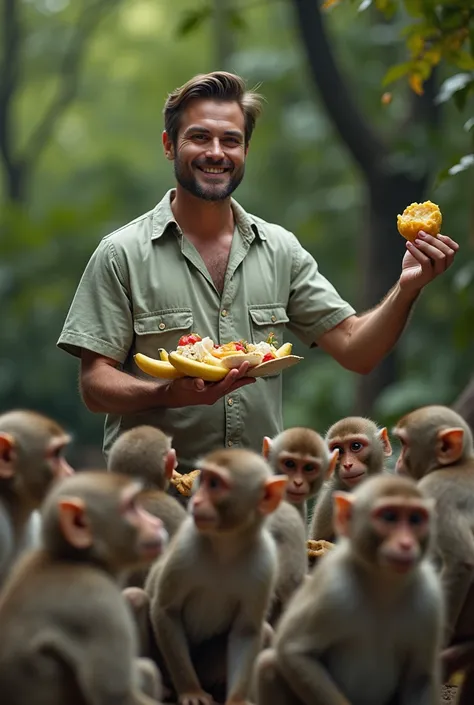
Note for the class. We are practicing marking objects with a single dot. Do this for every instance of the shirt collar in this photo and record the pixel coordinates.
(163, 218)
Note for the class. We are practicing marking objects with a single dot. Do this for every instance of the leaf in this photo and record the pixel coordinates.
(465, 162)
(416, 83)
(469, 124)
(396, 72)
(364, 5)
(192, 20)
(237, 21)
(452, 85)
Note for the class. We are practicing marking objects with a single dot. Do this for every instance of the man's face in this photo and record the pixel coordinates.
(209, 155)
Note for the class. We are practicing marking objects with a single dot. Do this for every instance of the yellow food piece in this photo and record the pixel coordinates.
(193, 368)
(184, 483)
(318, 548)
(419, 216)
(284, 350)
(163, 354)
(156, 368)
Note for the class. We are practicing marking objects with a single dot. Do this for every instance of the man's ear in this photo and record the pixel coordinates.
(168, 145)
(274, 493)
(385, 440)
(8, 456)
(333, 458)
(449, 445)
(171, 463)
(74, 524)
(343, 503)
(266, 447)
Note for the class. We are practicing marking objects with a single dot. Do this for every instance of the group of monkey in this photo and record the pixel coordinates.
(116, 593)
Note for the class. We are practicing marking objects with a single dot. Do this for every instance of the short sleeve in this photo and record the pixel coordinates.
(100, 315)
(314, 305)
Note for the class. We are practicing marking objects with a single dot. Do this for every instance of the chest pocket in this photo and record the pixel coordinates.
(161, 329)
(266, 319)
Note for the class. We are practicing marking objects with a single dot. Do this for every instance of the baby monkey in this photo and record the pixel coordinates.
(67, 634)
(362, 448)
(302, 455)
(365, 627)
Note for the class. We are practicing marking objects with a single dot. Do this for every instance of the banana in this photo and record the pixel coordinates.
(156, 368)
(284, 350)
(193, 368)
(163, 354)
(238, 358)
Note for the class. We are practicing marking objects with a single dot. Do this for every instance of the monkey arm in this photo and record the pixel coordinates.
(243, 648)
(321, 522)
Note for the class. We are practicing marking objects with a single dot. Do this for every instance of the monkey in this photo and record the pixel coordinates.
(146, 452)
(31, 460)
(365, 627)
(213, 584)
(67, 634)
(437, 451)
(362, 448)
(302, 455)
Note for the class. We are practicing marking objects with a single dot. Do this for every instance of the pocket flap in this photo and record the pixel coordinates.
(268, 315)
(163, 321)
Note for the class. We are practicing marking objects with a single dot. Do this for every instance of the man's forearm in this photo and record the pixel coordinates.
(111, 391)
(373, 335)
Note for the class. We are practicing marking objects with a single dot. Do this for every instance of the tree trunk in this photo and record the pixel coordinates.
(223, 37)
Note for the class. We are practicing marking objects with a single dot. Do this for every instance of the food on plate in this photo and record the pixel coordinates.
(419, 216)
(201, 357)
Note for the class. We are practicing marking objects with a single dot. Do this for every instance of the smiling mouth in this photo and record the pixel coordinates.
(214, 170)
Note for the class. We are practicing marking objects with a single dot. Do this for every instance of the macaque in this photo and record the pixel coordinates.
(437, 450)
(365, 627)
(362, 449)
(214, 584)
(302, 455)
(67, 634)
(31, 460)
(146, 452)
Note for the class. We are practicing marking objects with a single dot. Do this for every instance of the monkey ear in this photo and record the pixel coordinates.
(73, 522)
(266, 447)
(274, 492)
(343, 504)
(385, 440)
(333, 458)
(7, 456)
(449, 446)
(171, 463)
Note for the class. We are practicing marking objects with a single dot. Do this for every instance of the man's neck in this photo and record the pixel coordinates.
(203, 219)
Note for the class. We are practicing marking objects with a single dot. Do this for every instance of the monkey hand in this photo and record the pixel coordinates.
(198, 697)
(316, 549)
(184, 483)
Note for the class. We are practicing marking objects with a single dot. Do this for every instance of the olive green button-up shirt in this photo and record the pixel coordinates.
(146, 285)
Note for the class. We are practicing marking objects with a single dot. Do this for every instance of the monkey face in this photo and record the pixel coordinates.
(354, 455)
(303, 471)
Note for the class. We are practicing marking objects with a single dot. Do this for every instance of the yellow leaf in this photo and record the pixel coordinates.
(416, 83)
(329, 3)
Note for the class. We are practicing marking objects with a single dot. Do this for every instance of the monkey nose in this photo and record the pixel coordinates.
(347, 466)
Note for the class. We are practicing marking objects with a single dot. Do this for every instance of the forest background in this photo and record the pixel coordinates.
(368, 108)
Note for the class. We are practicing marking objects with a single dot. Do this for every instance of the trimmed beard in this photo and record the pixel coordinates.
(216, 193)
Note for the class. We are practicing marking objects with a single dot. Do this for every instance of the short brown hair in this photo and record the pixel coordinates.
(219, 85)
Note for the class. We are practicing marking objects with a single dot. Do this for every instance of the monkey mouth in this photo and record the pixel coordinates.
(296, 497)
(352, 478)
(400, 564)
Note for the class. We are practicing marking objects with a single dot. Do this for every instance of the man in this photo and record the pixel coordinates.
(199, 262)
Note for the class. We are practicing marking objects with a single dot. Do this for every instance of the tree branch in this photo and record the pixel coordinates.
(9, 75)
(69, 71)
(364, 144)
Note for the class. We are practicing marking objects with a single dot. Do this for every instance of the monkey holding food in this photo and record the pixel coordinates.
(67, 635)
(365, 627)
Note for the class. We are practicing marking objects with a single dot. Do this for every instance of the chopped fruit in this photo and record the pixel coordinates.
(271, 340)
(189, 339)
(268, 357)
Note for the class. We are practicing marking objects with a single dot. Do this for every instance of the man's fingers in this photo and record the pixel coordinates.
(451, 243)
(418, 254)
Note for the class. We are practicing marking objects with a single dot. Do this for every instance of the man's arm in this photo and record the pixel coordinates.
(359, 343)
(105, 389)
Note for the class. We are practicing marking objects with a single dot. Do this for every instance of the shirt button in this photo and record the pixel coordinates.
(162, 326)
(273, 319)
(230, 401)
(224, 313)
(230, 443)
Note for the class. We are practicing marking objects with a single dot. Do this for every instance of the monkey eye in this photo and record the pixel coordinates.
(356, 446)
(389, 515)
(309, 467)
(416, 518)
(214, 482)
(56, 452)
(289, 463)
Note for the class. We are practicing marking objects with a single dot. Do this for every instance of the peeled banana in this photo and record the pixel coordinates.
(156, 368)
(192, 368)
(284, 350)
